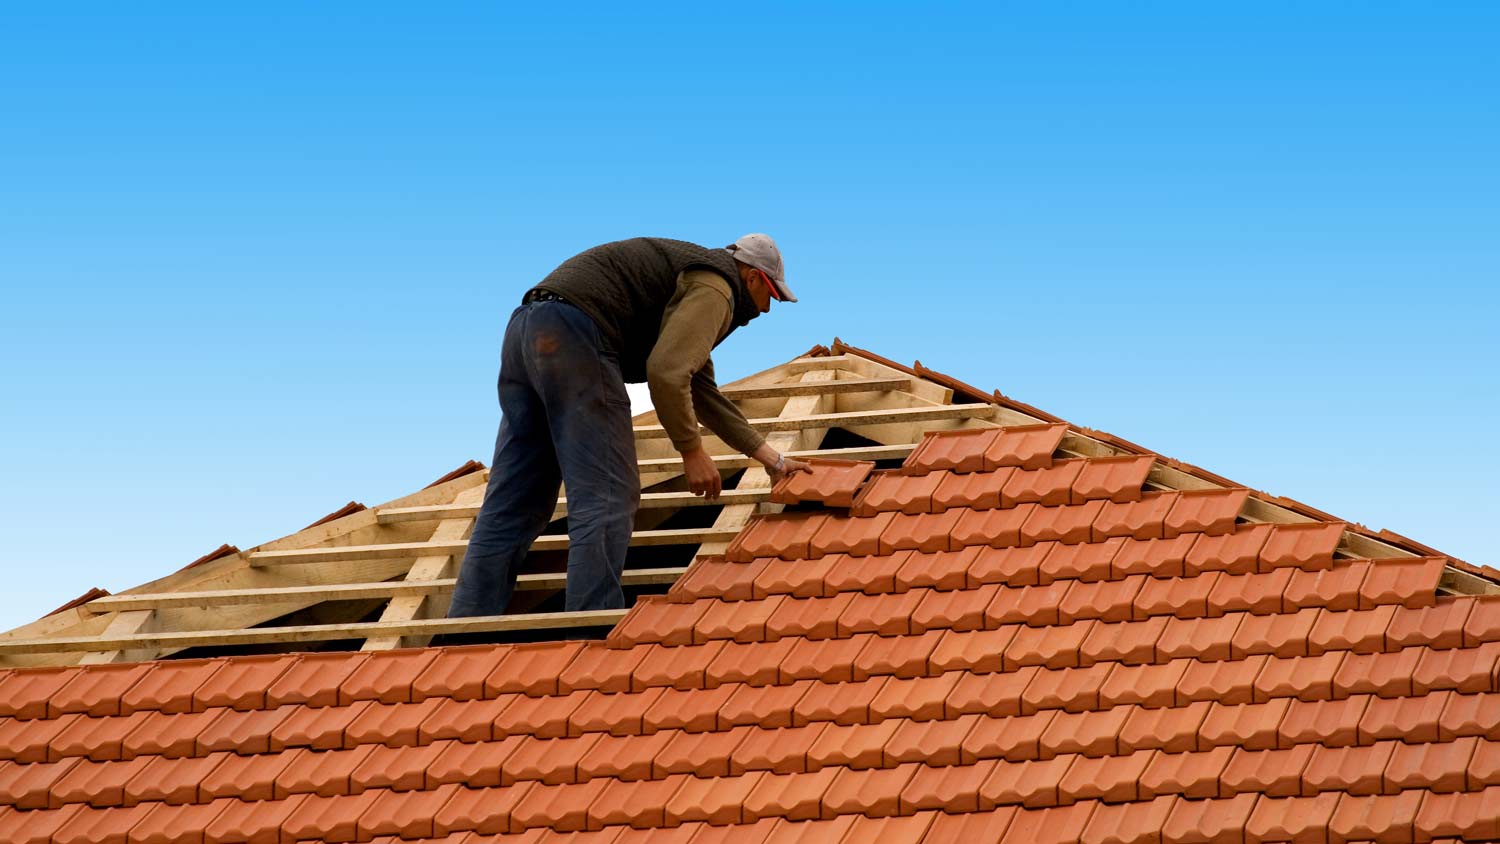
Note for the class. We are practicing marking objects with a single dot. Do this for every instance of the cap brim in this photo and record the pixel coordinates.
(783, 292)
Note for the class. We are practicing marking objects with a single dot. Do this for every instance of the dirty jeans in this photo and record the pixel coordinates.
(565, 418)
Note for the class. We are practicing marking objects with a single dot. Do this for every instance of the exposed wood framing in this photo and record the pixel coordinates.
(649, 501)
(440, 565)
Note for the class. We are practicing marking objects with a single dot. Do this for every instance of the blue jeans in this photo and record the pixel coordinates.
(564, 418)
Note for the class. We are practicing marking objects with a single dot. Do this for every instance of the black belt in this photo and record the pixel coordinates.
(537, 294)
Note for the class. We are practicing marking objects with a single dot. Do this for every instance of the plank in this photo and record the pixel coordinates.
(401, 550)
(854, 419)
(649, 501)
(818, 388)
(739, 461)
(351, 591)
(125, 623)
(312, 632)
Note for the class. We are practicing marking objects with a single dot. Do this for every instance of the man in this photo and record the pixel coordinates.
(645, 309)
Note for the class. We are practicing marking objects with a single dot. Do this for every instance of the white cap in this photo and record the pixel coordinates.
(759, 251)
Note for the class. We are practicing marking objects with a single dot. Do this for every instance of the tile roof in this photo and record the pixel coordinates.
(988, 643)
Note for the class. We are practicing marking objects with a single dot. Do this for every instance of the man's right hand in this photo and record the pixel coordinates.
(702, 476)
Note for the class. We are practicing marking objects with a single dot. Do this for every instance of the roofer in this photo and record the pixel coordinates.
(645, 309)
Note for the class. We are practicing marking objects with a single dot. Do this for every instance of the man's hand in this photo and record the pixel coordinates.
(702, 476)
(789, 467)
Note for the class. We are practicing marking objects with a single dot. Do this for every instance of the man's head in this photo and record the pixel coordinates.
(761, 270)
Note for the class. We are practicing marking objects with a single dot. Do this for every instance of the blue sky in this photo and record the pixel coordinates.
(256, 262)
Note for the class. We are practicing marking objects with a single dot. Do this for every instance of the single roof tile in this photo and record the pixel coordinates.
(1015, 739)
(1383, 674)
(1020, 566)
(1303, 677)
(1192, 775)
(391, 724)
(1335, 723)
(1375, 818)
(474, 764)
(1237, 552)
(1277, 773)
(937, 742)
(1406, 718)
(1025, 446)
(715, 577)
(887, 615)
(486, 811)
(851, 745)
(1185, 597)
(160, 734)
(691, 710)
(1089, 733)
(995, 528)
(1354, 770)
(1031, 605)
(812, 618)
(976, 490)
(1439, 626)
(1248, 725)
(784, 535)
(1113, 478)
(978, 651)
(533, 669)
(1088, 561)
(1433, 767)
(971, 826)
(831, 482)
(552, 761)
(1068, 524)
(874, 792)
(910, 829)
(386, 676)
(699, 754)
(543, 717)
(764, 706)
(715, 801)
(1051, 486)
(1129, 823)
(1411, 582)
(1172, 730)
(1106, 600)
(653, 620)
(95, 690)
(1206, 639)
(1466, 670)
(1361, 631)
(300, 726)
(1335, 588)
(97, 783)
(621, 713)
(1484, 767)
(1053, 647)
(949, 788)
(831, 660)
(992, 694)
(842, 703)
(858, 538)
(1470, 715)
(404, 815)
(313, 679)
(1302, 546)
(1148, 685)
(1210, 821)
(1156, 557)
(923, 532)
(1258, 593)
(465, 720)
(1140, 519)
(899, 492)
(1073, 689)
(31, 741)
(1470, 816)
(959, 451)
(1206, 511)
(799, 578)
(938, 569)
(920, 698)
(99, 826)
(1112, 779)
(259, 822)
(563, 808)
(960, 609)
(680, 666)
(242, 682)
(1281, 635)
(601, 668)
(1300, 820)
(782, 750)
(165, 823)
(1483, 623)
(623, 757)
(1221, 680)
(641, 805)
(871, 575)
(755, 663)
(900, 656)
(324, 773)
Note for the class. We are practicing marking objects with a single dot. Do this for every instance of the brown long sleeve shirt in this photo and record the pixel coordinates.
(680, 373)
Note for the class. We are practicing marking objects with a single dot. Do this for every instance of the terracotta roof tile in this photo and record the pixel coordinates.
(715, 577)
(813, 618)
(1057, 825)
(1161, 558)
(1088, 733)
(653, 620)
(1355, 770)
(1409, 582)
(764, 706)
(1027, 783)
(1113, 478)
(1303, 546)
(1185, 597)
(951, 789)
(1335, 588)
(1053, 647)
(976, 490)
(1129, 823)
(1020, 566)
(1106, 600)
(552, 761)
(1466, 670)
(1192, 775)
(1169, 730)
(1360, 631)
(701, 754)
(1438, 626)
(871, 575)
(1025, 446)
(961, 609)
(1088, 561)
(1051, 486)
(474, 764)
(900, 492)
(979, 651)
(922, 532)
(561, 807)
(1142, 519)
(1434, 767)
(167, 687)
(1294, 819)
(1471, 816)
(531, 669)
(832, 660)
(1210, 821)
(681, 667)
(1069, 524)
(1221, 680)
(1206, 511)
(1148, 685)
(324, 773)
(782, 750)
(1281, 635)
(1205, 639)
(961, 451)
(695, 711)
(842, 703)
(1031, 605)
(621, 713)
(1304, 677)
(1383, 674)
(465, 720)
(995, 528)
(1470, 715)
(785, 535)
(994, 694)
(831, 482)
(1333, 722)
(1255, 592)
(887, 615)
(859, 537)
(1406, 718)
(899, 656)
(800, 578)
(486, 811)
(714, 801)
(938, 569)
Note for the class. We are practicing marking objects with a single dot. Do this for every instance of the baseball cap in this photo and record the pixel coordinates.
(760, 252)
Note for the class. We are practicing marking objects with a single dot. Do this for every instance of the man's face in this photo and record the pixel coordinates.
(760, 290)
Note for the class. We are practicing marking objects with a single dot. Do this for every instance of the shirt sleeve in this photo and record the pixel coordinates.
(680, 374)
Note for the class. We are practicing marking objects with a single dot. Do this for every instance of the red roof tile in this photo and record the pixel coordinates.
(831, 482)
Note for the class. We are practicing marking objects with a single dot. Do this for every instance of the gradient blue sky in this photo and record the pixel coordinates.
(257, 262)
